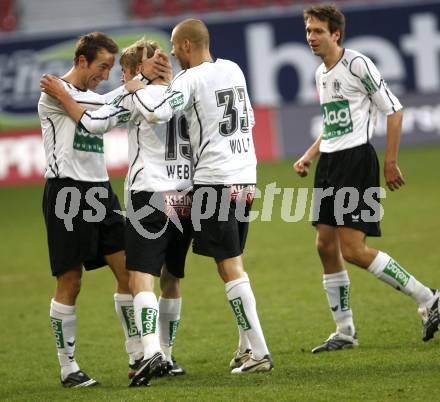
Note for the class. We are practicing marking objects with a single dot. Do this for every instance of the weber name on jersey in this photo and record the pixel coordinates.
(214, 98)
(350, 95)
(159, 154)
(69, 149)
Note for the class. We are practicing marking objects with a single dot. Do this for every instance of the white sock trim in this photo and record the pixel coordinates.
(62, 308)
(379, 262)
(232, 284)
(123, 297)
(336, 279)
(169, 306)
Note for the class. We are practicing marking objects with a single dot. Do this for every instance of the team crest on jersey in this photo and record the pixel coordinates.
(336, 86)
(337, 90)
(87, 142)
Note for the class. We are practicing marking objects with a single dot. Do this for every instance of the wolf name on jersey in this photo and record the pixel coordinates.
(214, 99)
(350, 94)
(159, 154)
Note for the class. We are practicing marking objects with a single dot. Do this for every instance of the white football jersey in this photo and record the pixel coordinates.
(214, 98)
(350, 95)
(70, 150)
(159, 154)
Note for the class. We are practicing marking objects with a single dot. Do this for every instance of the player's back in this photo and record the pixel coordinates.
(220, 119)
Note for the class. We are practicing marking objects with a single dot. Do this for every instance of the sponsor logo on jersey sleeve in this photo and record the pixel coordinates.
(369, 84)
(124, 117)
(177, 101)
(115, 102)
(337, 119)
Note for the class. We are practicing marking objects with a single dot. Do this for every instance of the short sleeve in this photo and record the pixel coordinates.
(371, 83)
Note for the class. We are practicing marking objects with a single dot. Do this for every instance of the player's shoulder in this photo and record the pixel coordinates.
(356, 61)
(215, 65)
(320, 72)
(69, 87)
(157, 90)
(228, 65)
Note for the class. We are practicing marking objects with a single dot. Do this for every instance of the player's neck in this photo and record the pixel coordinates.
(200, 59)
(331, 59)
(73, 77)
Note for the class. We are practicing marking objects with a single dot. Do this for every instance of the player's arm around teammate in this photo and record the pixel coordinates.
(88, 244)
(224, 164)
(146, 257)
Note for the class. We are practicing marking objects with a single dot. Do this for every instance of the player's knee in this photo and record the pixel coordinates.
(123, 280)
(68, 286)
(132, 284)
(170, 289)
(352, 253)
(326, 247)
(69, 290)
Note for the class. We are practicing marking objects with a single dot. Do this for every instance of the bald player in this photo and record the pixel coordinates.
(214, 98)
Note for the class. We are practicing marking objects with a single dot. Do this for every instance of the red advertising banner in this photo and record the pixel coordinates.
(22, 159)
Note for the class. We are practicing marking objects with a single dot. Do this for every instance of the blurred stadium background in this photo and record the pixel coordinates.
(265, 37)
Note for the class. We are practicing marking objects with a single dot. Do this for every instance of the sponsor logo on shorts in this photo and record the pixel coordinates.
(238, 309)
(178, 203)
(243, 191)
(58, 331)
(395, 271)
(337, 119)
(149, 321)
(128, 313)
(344, 294)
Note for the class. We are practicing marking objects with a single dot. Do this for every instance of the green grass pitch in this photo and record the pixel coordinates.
(391, 364)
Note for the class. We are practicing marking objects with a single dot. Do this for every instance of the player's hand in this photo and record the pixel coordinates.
(52, 86)
(134, 85)
(163, 67)
(157, 66)
(393, 176)
(302, 166)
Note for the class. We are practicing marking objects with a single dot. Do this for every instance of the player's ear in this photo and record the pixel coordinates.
(186, 44)
(138, 69)
(82, 61)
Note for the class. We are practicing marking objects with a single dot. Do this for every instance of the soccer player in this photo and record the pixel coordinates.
(75, 174)
(351, 91)
(213, 96)
(164, 162)
(159, 168)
